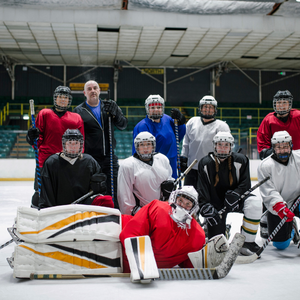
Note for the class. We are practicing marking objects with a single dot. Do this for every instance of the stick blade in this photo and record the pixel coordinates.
(246, 259)
(231, 256)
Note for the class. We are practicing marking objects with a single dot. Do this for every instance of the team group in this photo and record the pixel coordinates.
(76, 155)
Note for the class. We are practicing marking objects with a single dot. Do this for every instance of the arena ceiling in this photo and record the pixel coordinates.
(149, 33)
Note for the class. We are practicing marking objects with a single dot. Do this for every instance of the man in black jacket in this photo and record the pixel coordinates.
(95, 115)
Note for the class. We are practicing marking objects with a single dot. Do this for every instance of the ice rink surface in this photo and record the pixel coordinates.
(274, 276)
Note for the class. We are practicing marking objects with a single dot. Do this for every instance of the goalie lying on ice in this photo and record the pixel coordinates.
(173, 232)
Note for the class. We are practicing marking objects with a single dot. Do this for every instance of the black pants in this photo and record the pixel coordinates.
(106, 169)
(191, 178)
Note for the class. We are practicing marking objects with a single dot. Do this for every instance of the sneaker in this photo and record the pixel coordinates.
(296, 237)
(249, 248)
(264, 230)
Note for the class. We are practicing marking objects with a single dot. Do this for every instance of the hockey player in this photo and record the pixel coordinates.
(95, 113)
(142, 176)
(223, 176)
(70, 174)
(280, 192)
(172, 229)
(51, 123)
(199, 134)
(163, 128)
(284, 118)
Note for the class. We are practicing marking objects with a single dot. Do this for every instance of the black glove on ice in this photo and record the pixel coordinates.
(211, 214)
(232, 201)
(98, 183)
(183, 163)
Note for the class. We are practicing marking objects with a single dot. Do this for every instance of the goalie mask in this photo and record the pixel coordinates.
(72, 142)
(208, 100)
(184, 203)
(282, 102)
(145, 139)
(155, 107)
(282, 145)
(62, 98)
(223, 144)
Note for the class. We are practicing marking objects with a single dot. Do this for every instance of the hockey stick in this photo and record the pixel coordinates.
(185, 173)
(38, 171)
(251, 258)
(83, 197)
(177, 146)
(219, 272)
(111, 159)
(246, 194)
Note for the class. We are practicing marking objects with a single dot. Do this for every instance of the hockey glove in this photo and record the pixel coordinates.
(265, 153)
(98, 183)
(176, 114)
(135, 210)
(232, 201)
(111, 107)
(166, 188)
(211, 214)
(283, 211)
(32, 135)
(101, 200)
(183, 163)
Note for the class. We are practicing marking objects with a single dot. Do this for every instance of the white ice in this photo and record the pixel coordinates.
(274, 276)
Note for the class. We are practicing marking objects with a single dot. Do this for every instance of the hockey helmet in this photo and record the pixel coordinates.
(208, 100)
(223, 136)
(283, 96)
(144, 136)
(70, 135)
(154, 101)
(180, 215)
(282, 137)
(62, 92)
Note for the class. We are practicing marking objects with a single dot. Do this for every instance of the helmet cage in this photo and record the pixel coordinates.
(283, 96)
(69, 136)
(179, 214)
(223, 137)
(154, 100)
(208, 100)
(62, 91)
(144, 137)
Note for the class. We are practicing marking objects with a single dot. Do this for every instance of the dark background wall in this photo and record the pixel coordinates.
(232, 87)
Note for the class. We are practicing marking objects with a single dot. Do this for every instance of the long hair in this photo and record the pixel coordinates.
(218, 167)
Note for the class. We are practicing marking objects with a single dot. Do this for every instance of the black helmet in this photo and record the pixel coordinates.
(62, 91)
(283, 95)
(72, 135)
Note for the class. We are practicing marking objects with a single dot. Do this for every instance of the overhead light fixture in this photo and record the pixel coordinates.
(25, 117)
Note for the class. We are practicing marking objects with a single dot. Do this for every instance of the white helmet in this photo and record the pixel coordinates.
(154, 100)
(208, 100)
(281, 137)
(285, 96)
(144, 136)
(180, 215)
(223, 136)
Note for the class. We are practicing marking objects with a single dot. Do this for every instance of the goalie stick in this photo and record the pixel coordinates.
(251, 258)
(218, 272)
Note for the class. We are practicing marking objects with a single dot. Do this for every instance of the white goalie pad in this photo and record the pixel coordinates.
(68, 223)
(141, 259)
(67, 258)
(212, 254)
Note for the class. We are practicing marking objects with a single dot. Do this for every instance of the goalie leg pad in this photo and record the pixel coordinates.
(141, 259)
(212, 254)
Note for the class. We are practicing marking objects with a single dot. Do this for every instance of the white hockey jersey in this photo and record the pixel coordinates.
(283, 185)
(198, 140)
(142, 180)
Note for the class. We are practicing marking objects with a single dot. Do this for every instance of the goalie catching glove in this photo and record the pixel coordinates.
(232, 201)
(283, 211)
(98, 183)
(211, 214)
(32, 135)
